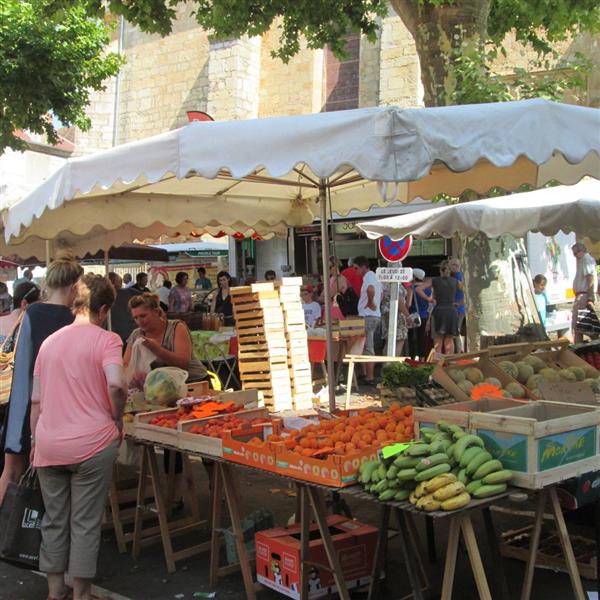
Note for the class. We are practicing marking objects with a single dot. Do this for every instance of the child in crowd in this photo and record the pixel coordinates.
(312, 309)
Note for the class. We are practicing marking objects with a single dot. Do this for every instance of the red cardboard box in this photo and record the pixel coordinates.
(278, 556)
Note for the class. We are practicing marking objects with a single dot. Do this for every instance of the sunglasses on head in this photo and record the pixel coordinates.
(30, 292)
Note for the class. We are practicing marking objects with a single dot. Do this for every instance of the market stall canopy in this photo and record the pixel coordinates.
(266, 174)
(548, 211)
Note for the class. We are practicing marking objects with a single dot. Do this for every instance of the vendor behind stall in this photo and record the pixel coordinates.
(169, 340)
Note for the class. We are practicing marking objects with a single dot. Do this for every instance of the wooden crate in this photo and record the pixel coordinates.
(515, 544)
(153, 433)
(350, 327)
(236, 447)
(480, 360)
(204, 444)
(459, 412)
(403, 396)
(542, 442)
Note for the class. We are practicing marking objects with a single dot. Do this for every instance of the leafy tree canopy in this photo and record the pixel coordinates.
(49, 62)
(325, 22)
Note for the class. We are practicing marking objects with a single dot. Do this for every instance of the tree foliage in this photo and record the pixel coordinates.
(49, 62)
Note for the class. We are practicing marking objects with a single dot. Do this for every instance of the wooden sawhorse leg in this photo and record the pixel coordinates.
(565, 542)
(115, 512)
(311, 497)
(223, 484)
(462, 522)
(165, 528)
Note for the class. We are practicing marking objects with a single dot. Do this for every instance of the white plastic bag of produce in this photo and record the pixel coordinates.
(139, 364)
(165, 385)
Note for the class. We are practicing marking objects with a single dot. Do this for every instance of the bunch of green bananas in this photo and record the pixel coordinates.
(440, 472)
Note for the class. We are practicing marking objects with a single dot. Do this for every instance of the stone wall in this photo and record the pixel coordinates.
(239, 79)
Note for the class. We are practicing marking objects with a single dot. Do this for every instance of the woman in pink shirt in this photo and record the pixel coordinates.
(77, 405)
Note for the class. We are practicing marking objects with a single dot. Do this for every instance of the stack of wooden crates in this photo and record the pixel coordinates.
(297, 341)
(273, 347)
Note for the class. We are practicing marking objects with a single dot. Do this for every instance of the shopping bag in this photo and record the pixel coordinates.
(139, 365)
(587, 322)
(21, 521)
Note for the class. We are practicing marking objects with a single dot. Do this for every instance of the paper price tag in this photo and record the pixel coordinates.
(393, 450)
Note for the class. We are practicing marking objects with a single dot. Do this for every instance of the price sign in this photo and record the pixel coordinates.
(394, 274)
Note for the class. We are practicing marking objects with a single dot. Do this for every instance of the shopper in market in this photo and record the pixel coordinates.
(5, 300)
(444, 317)
(40, 320)
(585, 286)
(79, 393)
(221, 302)
(418, 338)
(459, 302)
(311, 308)
(270, 275)
(180, 298)
(24, 295)
(141, 283)
(120, 316)
(369, 307)
(163, 294)
(353, 276)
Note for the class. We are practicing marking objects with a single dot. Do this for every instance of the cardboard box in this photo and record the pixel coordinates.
(459, 412)
(278, 563)
(237, 449)
(334, 470)
(542, 442)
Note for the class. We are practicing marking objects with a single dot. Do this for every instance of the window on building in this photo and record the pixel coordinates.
(342, 76)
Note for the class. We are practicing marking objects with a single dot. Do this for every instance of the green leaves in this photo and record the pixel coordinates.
(52, 54)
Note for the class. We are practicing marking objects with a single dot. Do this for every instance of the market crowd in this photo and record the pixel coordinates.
(66, 396)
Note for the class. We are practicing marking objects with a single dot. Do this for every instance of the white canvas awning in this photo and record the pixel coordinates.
(549, 210)
(265, 175)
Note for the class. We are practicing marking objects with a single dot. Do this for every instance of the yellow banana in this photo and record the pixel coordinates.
(438, 482)
(420, 490)
(457, 502)
(449, 491)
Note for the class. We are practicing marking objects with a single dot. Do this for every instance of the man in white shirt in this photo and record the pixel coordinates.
(369, 307)
(585, 285)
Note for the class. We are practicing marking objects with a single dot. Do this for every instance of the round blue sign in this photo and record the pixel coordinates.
(394, 251)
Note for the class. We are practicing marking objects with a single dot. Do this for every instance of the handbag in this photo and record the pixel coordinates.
(414, 319)
(21, 521)
(7, 362)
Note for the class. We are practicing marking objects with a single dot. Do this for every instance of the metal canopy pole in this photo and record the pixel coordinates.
(106, 271)
(327, 294)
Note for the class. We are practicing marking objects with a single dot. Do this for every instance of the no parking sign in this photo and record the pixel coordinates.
(394, 251)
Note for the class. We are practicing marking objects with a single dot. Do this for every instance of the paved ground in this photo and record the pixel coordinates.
(147, 578)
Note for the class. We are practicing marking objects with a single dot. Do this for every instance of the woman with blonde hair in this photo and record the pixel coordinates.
(40, 321)
(79, 393)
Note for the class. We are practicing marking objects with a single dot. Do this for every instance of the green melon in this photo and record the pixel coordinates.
(567, 375)
(537, 363)
(465, 386)
(578, 372)
(493, 381)
(550, 374)
(525, 371)
(594, 384)
(534, 381)
(516, 390)
(474, 375)
(510, 368)
(590, 372)
(457, 375)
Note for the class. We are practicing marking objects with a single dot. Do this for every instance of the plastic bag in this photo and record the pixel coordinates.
(165, 385)
(139, 365)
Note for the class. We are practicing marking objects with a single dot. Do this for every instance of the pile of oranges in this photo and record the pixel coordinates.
(348, 435)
